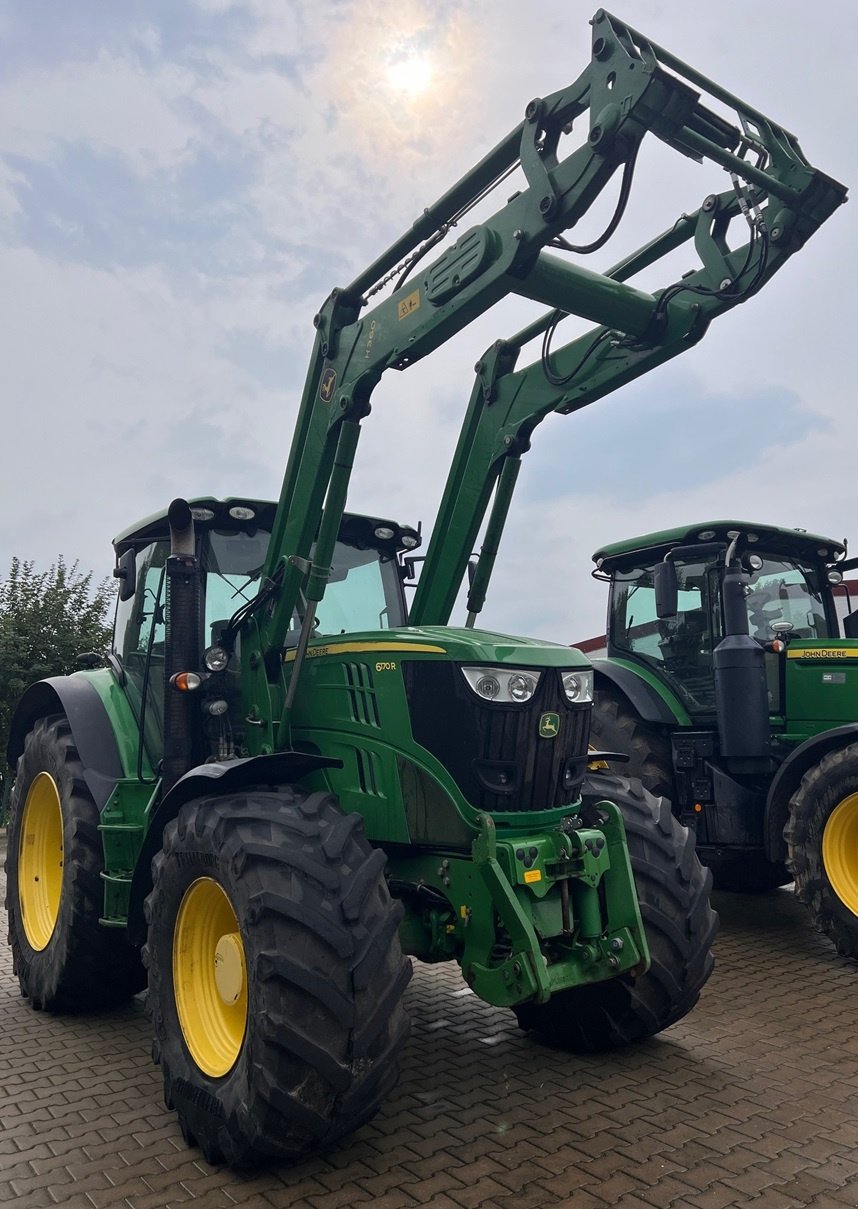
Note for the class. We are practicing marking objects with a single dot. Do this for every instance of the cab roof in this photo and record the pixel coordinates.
(651, 547)
(356, 529)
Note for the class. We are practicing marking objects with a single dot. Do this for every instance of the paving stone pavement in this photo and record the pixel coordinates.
(751, 1100)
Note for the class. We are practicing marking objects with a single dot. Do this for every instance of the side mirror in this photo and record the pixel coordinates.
(408, 568)
(124, 571)
(666, 590)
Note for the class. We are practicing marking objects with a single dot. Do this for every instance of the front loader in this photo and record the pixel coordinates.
(282, 780)
(728, 683)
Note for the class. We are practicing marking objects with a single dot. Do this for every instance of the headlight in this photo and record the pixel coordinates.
(216, 658)
(578, 686)
(502, 684)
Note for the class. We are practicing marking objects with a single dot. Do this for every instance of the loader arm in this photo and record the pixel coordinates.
(632, 87)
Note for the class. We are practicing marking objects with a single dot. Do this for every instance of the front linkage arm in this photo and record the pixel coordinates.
(627, 92)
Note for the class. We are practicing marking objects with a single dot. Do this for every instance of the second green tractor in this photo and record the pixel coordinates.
(731, 680)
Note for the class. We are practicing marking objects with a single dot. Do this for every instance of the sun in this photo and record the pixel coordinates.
(411, 74)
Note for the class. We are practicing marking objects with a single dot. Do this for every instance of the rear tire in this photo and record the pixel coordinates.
(305, 1044)
(673, 892)
(64, 959)
(822, 846)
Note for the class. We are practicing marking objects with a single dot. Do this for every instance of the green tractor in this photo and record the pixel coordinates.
(281, 780)
(729, 685)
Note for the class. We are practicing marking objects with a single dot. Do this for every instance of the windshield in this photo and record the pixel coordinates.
(363, 593)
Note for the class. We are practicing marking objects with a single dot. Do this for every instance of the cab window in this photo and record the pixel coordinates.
(682, 645)
(782, 591)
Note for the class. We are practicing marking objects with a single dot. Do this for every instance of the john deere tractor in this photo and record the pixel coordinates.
(729, 685)
(281, 780)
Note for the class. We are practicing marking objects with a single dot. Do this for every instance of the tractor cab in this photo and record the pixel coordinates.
(787, 594)
(231, 539)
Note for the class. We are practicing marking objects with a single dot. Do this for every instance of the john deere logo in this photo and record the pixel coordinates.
(328, 384)
(549, 726)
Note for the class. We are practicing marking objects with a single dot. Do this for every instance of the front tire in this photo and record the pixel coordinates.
(615, 726)
(64, 958)
(275, 974)
(673, 892)
(822, 846)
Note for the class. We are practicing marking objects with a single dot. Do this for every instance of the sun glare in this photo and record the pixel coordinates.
(410, 75)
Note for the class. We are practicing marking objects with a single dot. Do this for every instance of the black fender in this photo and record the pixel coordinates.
(282, 768)
(648, 703)
(788, 777)
(90, 725)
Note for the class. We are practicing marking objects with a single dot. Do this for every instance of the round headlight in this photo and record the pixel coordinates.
(572, 686)
(521, 688)
(384, 533)
(216, 658)
(488, 687)
(410, 541)
(578, 686)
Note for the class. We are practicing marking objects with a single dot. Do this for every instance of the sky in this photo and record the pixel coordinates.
(182, 183)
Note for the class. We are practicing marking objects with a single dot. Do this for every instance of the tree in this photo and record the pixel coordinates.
(47, 618)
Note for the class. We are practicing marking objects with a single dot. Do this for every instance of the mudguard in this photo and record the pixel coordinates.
(282, 768)
(787, 778)
(648, 703)
(90, 725)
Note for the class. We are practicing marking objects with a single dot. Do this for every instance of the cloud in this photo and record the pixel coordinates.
(665, 432)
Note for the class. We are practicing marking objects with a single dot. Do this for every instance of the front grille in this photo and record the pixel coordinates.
(495, 752)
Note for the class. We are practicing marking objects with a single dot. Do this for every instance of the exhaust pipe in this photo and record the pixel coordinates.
(183, 645)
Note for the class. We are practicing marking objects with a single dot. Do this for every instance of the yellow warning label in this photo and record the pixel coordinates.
(532, 875)
(354, 648)
(409, 305)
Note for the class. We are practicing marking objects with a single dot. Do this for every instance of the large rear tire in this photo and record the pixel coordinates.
(275, 974)
(822, 846)
(673, 892)
(616, 727)
(64, 959)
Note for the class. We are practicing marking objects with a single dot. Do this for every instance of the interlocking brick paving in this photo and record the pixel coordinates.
(751, 1100)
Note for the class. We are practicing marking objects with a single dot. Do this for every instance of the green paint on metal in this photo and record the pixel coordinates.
(123, 827)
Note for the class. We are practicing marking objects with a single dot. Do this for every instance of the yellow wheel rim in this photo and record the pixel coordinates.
(40, 861)
(840, 851)
(210, 977)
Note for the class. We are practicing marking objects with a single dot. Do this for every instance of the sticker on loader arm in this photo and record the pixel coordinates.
(408, 305)
(328, 384)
